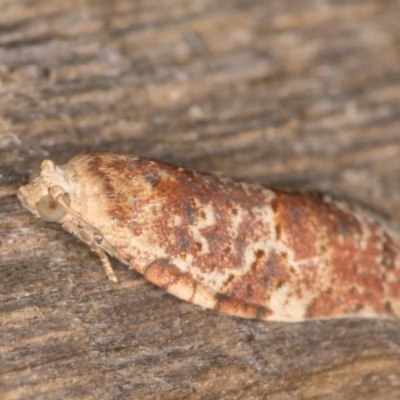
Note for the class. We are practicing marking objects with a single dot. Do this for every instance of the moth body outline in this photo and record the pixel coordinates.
(241, 248)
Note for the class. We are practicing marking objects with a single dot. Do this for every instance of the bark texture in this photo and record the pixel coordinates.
(300, 94)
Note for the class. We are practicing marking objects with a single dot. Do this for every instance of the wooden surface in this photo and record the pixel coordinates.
(303, 94)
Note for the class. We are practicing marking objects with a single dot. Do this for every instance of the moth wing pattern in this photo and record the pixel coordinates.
(242, 248)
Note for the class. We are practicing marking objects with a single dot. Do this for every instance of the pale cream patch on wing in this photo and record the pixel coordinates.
(183, 263)
(177, 220)
(287, 307)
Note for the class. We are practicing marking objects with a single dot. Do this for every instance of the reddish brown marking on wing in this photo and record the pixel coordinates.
(270, 272)
(162, 273)
(355, 261)
(241, 308)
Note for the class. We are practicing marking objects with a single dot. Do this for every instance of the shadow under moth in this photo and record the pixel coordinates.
(245, 249)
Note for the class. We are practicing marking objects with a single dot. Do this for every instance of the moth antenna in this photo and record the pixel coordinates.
(58, 192)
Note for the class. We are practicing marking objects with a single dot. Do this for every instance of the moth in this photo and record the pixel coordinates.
(241, 248)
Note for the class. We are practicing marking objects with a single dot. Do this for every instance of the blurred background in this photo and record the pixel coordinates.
(297, 93)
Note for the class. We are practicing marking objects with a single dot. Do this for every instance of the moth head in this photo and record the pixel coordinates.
(46, 192)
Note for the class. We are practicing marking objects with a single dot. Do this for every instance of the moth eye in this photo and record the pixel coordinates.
(35, 174)
(49, 209)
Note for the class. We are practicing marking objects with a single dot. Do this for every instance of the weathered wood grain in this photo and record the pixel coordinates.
(301, 94)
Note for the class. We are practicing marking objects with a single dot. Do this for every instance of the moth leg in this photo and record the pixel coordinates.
(106, 264)
(57, 192)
